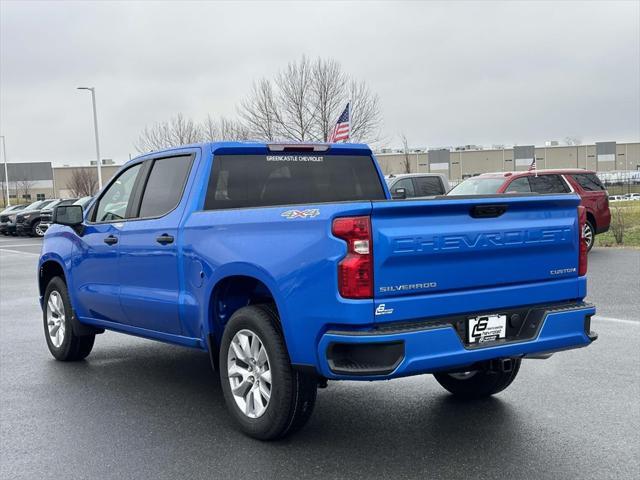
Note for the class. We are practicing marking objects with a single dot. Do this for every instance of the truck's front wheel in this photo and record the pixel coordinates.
(266, 396)
(63, 343)
(478, 383)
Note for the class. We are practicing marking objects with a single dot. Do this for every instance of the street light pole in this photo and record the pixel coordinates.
(95, 126)
(6, 173)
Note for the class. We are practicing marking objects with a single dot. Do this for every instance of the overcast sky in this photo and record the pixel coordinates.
(446, 73)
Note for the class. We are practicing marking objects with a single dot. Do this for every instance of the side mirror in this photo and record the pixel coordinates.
(70, 215)
(399, 194)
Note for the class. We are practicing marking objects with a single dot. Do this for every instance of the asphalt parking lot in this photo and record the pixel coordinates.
(142, 409)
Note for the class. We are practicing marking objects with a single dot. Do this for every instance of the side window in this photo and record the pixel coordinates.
(165, 186)
(407, 184)
(589, 182)
(548, 184)
(519, 185)
(428, 186)
(112, 206)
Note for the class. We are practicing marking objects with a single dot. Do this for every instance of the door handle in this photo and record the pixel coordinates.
(111, 240)
(164, 239)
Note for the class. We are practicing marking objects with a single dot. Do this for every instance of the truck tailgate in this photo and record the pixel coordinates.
(454, 255)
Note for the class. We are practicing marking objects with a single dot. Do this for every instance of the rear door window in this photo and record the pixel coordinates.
(519, 185)
(548, 184)
(165, 185)
(589, 182)
(407, 184)
(240, 181)
(428, 186)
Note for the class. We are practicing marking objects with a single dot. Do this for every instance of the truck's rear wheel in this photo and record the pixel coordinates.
(478, 383)
(267, 397)
(63, 343)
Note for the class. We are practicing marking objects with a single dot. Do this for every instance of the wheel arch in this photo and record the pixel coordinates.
(230, 293)
(49, 269)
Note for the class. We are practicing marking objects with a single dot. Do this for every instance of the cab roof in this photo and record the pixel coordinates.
(256, 148)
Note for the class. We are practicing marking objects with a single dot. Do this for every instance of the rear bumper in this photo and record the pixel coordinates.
(372, 355)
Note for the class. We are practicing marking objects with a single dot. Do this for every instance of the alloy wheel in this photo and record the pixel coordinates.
(55, 318)
(249, 373)
(587, 234)
(38, 230)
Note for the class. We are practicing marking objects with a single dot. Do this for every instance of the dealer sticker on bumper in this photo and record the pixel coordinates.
(487, 328)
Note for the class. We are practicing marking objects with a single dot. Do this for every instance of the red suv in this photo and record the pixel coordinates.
(583, 182)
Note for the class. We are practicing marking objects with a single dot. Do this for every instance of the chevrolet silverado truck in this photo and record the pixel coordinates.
(291, 266)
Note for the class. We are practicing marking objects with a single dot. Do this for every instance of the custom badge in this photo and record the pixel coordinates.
(308, 213)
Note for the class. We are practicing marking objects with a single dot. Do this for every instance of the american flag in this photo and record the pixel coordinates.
(532, 167)
(341, 130)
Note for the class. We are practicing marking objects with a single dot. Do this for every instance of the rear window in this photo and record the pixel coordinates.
(478, 186)
(588, 181)
(428, 186)
(239, 181)
(548, 184)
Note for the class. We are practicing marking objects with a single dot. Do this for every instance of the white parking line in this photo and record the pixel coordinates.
(617, 320)
(19, 252)
(2, 245)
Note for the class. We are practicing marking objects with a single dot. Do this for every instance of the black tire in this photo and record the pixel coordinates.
(483, 383)
(72, 347)
(590, 239)
(293, 393)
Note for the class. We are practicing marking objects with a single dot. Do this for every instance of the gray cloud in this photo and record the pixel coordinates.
(446, 73)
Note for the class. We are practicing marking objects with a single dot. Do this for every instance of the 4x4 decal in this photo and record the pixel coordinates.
(309, 213)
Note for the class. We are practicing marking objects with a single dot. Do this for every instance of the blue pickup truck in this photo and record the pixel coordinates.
(291, 265)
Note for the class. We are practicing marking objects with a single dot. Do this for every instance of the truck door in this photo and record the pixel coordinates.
(148, 265)
(95, 265)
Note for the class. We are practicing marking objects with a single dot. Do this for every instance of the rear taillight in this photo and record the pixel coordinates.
(355, 270)
(582, 256)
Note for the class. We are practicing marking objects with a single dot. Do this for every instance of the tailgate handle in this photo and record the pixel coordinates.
(487, 211)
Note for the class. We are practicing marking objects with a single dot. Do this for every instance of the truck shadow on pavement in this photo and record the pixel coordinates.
(132, 401)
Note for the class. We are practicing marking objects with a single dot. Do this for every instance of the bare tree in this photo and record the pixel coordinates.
(23, 188)
(572, 140)
(177, 131)
(5, 200)
(258, 111)
(223, 129)
(304, 100)
(406, 161)
(83, 182)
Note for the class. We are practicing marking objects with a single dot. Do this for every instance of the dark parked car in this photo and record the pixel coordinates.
(27, 222)
(47, 213)
(7, 213)
(9, 227)
(585, 183)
